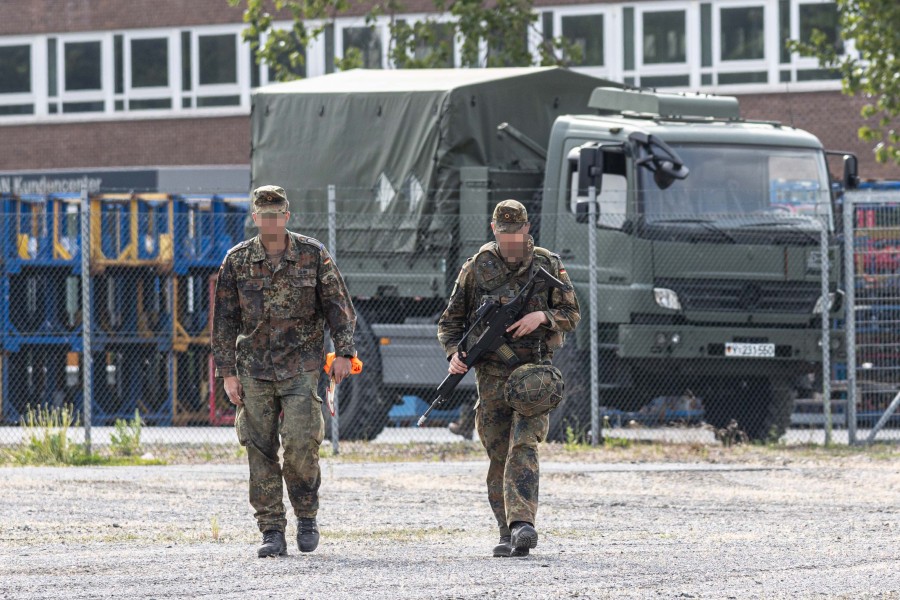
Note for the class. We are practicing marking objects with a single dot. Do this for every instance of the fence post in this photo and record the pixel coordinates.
(593, 318)
(826, 332)
(87, 371)
(332, 245)
(850, 314)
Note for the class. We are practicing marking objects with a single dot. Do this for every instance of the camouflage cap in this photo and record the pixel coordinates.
(269, 198)
(509, 216)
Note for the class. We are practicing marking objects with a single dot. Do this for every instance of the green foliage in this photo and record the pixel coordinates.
(502, 27)
(46, 438)
(125, 440)
(872, 26)
(575, 439)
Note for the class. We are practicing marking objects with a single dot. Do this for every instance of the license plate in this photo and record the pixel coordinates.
(750, 350)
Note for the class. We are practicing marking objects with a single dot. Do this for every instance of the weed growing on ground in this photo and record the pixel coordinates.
(214, 527)
(46, 437)
(125, 440)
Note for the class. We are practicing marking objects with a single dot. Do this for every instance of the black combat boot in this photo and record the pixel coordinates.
(464, 425)
(273, 544)
(523, 538)
(504, 548)
(307, 534)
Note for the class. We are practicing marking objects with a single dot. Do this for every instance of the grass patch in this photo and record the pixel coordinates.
(45, 437)
(125, 440)
(577, 440)
(99, 460)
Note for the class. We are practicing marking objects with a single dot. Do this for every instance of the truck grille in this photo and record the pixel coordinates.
(716, 295)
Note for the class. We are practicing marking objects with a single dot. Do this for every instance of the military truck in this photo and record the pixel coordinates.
(707, 285)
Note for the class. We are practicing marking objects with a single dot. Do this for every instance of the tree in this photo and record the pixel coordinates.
(874, 28)
(494, 34)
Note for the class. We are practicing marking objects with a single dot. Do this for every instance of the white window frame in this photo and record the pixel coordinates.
(412, 19)
(767, 63)
(240, 88)
(171, 91)
(612, 37)
(380, 27)
(691, 64)
(315, 52)
(105, 93)
(38, 53)
(802, 63)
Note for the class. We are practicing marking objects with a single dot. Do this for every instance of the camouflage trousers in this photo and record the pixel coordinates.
(511, 441)
(302, 430)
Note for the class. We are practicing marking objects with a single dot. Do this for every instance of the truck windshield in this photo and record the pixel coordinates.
(740, 187)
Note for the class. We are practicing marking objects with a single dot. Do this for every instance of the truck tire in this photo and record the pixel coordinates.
(573, 415)
(761, 408)
(362, 406)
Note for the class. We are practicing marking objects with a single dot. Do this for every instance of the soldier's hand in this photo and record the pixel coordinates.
(234, 390)
(340, 368)
(527, 324)
(457, 366)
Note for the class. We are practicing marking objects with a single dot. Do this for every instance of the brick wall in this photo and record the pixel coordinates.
(163, 142)
(830, 116)
(18, 17)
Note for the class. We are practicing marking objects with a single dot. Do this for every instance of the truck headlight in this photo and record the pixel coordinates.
(666, 298)
(820, 304)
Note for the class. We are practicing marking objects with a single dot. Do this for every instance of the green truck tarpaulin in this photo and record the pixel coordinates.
(392, 142)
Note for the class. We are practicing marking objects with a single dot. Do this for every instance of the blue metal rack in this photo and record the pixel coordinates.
(153, 263)
(205, 228)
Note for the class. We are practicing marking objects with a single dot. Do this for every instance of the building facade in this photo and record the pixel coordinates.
(107, 86)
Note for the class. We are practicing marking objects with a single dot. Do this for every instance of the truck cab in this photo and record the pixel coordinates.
(709, 279)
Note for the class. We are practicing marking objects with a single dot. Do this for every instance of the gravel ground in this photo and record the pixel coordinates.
(769, 527)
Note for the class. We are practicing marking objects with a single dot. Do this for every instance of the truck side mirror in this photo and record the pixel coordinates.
(582, 211)
(851, 172)
(590, 169)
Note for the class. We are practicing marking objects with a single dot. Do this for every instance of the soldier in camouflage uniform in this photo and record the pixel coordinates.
(274, 295)
(511, 439)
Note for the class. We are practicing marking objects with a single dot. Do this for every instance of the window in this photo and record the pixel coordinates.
(742, 32)
(76, 66)
(15, 69)
(16, 93)
(150, 63)
(368, 42)
(800, 21)
(823, 17)
(438, 38)
(216, 72)
(739, 37)
(146, 71)
(82, 66)
(664, 37)
(586, 33)
(217, 59)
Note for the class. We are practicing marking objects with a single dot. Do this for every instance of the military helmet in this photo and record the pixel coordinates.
(534, 389)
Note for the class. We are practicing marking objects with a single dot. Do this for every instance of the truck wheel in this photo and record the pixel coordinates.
(775, 416)
(362, 407)
(575, 409)
(761, 408)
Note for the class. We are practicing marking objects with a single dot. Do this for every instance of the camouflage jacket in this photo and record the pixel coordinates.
(487, 275)
(269, 324)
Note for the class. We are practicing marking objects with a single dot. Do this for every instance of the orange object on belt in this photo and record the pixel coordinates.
(356, 365)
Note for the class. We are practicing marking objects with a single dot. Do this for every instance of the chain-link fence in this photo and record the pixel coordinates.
(872, 222)
(709, 322)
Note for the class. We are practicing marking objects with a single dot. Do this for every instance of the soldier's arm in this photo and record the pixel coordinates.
(227, 321)
(564, 312)
(452, 324)
(337, 305)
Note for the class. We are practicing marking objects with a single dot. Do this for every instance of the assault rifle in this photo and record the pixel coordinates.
(495, 318)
